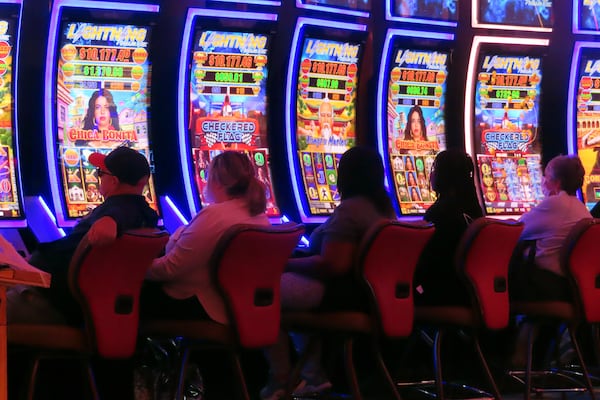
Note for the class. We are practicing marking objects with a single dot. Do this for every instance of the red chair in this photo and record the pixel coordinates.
(106, 281)
(580, 261)
(387, 258)
(483, 259)
(246, 266)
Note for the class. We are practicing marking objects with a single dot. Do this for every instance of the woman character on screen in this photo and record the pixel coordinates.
(102, 112)
(415, 128)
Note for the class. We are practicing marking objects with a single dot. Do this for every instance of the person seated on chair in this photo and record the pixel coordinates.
(123, 174)
(548, 224)
(451, 177)
(324, 280)
(179, 285)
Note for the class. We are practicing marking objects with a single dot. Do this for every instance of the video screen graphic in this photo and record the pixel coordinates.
(507, 96)
(589, 13)
(528, 13)
(442, 10)
(588, 122)
(325, 116)
(415, 123)
(229, 103)
(360, 5)
(102, 100)
(10, 201)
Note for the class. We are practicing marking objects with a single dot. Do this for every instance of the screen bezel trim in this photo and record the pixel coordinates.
(475, 22)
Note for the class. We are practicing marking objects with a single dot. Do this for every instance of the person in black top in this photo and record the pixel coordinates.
(451, 178)
(123, 174)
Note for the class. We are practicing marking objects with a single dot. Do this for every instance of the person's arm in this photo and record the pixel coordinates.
(335, 259)
(102, 232)
(192, 248)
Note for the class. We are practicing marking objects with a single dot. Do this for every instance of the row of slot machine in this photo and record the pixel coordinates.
(294, 90)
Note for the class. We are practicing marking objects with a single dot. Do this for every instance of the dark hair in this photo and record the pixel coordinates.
(360, 173)
(452, 175)
(569, 171)
(89, 121)
(407, 130)
(235, 172)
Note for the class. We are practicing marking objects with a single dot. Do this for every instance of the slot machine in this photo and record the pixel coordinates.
(13, 204)
(98, 75)
(320, 110)
(411, 98)
(502, 122)
(583, 112)
(223, 75)
(503, 103)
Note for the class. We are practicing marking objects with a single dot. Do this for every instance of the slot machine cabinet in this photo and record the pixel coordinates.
(412, 86)
(97, 52)
(502, 128)
(222, 92)
(320, 109)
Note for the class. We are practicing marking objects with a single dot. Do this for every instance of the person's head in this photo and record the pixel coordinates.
(408, 164)
(122, 171)
(415, 127)
(563, 173)
(102, 112)
(411, 179)
(326, 116)
(452, 175)
(231, 175)
(414, 194)
(361, 173)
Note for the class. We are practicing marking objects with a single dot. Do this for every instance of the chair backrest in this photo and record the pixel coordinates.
(247, 266)
(388, 256)
(580, 258)
(483, 257)
(106, 280)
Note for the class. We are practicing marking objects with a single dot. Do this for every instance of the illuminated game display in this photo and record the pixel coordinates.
(325, 116)
(586, 14)
(516, 13)
(102, 88)
(587, 122)
(228, 103)
(415, 123)
(506, 131)
(443, 10)
(10, 196)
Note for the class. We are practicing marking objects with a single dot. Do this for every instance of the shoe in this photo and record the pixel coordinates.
(273, 391)
(306, 388)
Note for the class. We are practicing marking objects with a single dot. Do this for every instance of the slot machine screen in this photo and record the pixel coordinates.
(415, 123)
(588, 13)
(102, 93)
(325, 116)
(359, 5)
(229, 103)
(506, 119)
(10, 197)
(588, 122)
(442, 10)
(526, 13)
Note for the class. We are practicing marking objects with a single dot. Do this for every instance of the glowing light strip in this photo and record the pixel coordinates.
(470, 92)
(12, 2)
(382, 87)
(106, 5)
(300, 4)
(51, 82)
(259, 2)
(476, 24)
(176, 211)
(183, 92)
(391, 17)
(290, 134)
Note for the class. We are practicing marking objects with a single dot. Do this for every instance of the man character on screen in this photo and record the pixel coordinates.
(123, 174)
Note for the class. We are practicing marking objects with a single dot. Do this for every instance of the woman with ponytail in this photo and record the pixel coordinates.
(183, 288)
(451, 178)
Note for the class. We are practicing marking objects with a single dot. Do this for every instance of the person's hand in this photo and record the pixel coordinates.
(102, 232)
